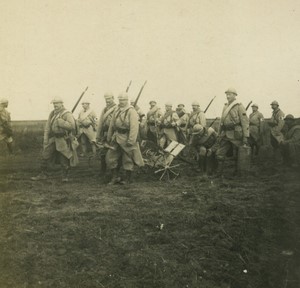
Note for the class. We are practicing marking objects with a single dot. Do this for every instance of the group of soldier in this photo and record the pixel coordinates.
(121, 128)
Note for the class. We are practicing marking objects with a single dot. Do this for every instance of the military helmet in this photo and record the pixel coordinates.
(108, 95)
(57, 99)
(231, 90)
(289, 116)
(195, 103)
(274, 103)
(123, 96)
(152, 101)
(197, 129)
(169, 104)
(254, 105)
(86, 101)
(180, 105)
(3, 101)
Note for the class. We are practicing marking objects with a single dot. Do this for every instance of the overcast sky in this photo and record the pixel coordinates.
(186, 50)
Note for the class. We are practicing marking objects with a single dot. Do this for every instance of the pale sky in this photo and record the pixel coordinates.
(186, 50)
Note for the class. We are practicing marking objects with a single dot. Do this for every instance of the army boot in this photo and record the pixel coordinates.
(128, 179)
(41, 176)
(201, 164)
(115, 177)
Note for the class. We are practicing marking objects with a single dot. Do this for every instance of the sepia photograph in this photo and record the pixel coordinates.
(149, 144)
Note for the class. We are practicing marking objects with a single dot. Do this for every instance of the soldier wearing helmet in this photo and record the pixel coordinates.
(122, 134)
(233, 130)
(153, 116)
(168, 124)
(204, 140)
(5, 126)
(197, 116)
(182, 123)
(276, 124)
(87, 123)
(103, 126)
(59, 141)
(290, 146)
(255, 119)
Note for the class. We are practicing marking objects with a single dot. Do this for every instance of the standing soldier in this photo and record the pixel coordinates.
(234, 128)
(168, 124)
(122, 133)
(86, 123)
(290, 146)
(5, 126)
(276, 123)
(103, 126)
(204, 140)
(153, 117)
(197, 116)
(59, 140)
(182, 123)
(141, 114)
(255, 119)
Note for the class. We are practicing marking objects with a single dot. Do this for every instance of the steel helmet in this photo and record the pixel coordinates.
(123, 96)
(231, 90)
(254, 105)
(169, 104)
(108, 95)
(3, 101)
(195, 103)
(152, 101)
(86, 102)
(197, 129)
(57, 99)
(289, 116)
(274, 103)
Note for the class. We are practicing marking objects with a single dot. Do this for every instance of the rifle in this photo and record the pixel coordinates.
(212, 123)
(248, 105)
(209, 104)
(127, 89)
(76, 104)
(137, 98)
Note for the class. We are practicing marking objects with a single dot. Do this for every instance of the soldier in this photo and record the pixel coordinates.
(122, 134)
(153, 117)
(86, 123)
(59, 140)
(276, 123)
(234, 128)
(182, 123)
(103, 126)
(255, 119)
(204, 140)
(139, 111)
(290, 146)
(197, 116)
(141, 114)
(5, 126)
(168, 124)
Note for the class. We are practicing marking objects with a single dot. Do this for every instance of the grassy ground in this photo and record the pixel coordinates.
(192, 232)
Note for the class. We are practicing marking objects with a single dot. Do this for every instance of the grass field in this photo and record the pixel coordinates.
(191, 232)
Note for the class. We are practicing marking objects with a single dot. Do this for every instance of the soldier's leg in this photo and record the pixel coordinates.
(201, 159)
(112, 160)
(9, 144)
(49, 154)
(83, 142)
(223, 147)
(65, 165)
(128, 166)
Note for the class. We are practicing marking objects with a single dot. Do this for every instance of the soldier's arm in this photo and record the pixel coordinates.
(202, 119)
(111, 127)
(67, 122)
(280, 122)
(244, 120)
(175, 118)
(134, 126)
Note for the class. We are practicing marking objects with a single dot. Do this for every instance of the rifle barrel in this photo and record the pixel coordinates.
(80, 97)
(209, 104)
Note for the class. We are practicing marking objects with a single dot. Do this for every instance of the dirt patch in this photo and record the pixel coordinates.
(192, 232)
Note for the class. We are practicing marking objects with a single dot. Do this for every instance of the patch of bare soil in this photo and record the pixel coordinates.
(191, 232)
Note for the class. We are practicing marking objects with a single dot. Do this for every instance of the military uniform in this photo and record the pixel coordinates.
(60, 142)
(290, 146)
(168, 124)
(204, 140)
(104, 122)
(182, 125)
(122, 133)
(86, 123)
(255, 120)
(276, 123)
(5, 126)
(196, 117)
(153, 116)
